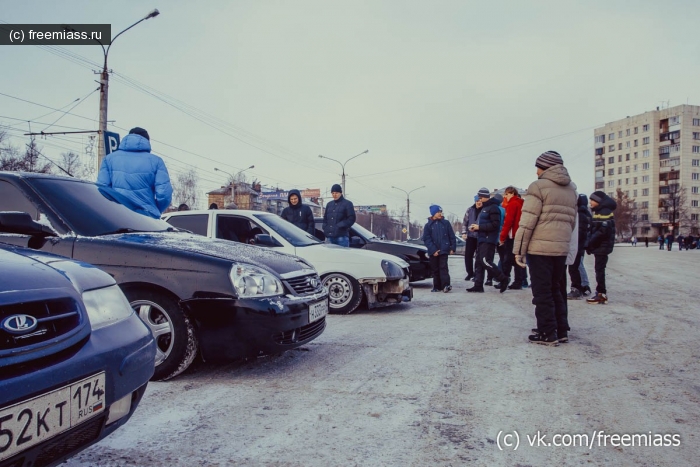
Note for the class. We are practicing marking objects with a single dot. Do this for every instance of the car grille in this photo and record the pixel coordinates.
(305, 285)
(301, 334)
(55, 317)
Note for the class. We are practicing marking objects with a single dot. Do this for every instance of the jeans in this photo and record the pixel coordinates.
(342, 241)
(584, 274)
(469, 251)
(548, 295)
(600, 262)
(441, 274)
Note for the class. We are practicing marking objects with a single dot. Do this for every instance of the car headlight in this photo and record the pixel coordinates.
(106, 306)
(392, 270)
(250, 281)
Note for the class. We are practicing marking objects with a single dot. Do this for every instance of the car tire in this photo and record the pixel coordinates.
(344, 293)
(176, 341)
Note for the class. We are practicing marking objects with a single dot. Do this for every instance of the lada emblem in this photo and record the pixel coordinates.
(19, 324)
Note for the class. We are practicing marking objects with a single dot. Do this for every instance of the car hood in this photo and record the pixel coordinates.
(410, 246)
(20, 270)
(280, 263)
(341, 254)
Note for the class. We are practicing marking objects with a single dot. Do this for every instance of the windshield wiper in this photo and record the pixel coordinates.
(122, 230)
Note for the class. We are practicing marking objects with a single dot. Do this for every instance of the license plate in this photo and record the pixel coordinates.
(35, 420)
(318, 310)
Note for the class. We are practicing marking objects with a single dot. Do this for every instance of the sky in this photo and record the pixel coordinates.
(450, 95)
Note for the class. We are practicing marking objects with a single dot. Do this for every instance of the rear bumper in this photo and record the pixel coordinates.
(230, 328)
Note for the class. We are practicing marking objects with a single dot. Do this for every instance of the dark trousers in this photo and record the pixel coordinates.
(469, 251)
(661, 245)
(601, 261)
(441, 274)
(548, 294)
(508, 263)
(484, 262)
(575, 272)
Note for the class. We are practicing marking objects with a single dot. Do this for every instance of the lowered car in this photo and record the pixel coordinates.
(197, 295)
(415, 256)
(348, 274)
(74, 358)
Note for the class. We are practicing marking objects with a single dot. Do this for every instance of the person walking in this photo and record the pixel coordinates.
(546, 225)
(513, 204)
(439, 237)
(646, 242)
(680, 240)
(298, 213)
(137, 174)
(660, 241)
(584, 227)
(488, 227)
(601, 241)
(338, 217)
(634, 240)
(470, 238)
(669, 241)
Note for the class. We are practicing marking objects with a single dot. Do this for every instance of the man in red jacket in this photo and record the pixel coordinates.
(513, 204)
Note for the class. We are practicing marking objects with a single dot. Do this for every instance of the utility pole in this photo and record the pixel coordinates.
(408, 208)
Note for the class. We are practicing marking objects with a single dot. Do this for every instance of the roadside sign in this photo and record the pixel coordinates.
(404, 230)
(111, 142)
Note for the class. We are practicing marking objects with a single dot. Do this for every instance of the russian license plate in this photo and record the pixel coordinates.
(35, 420)
(318, 310)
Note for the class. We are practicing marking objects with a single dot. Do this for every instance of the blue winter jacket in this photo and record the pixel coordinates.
(438, 235)
(138, 175)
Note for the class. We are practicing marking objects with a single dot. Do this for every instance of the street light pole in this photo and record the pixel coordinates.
(343, 165)
(408, 209)
(233, 180)
(104, 90)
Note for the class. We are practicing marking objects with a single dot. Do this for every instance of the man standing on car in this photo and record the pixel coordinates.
(338, 217)
(440, 239)
(298, 213)
(138, 175)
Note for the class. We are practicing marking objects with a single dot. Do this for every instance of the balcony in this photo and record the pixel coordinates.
(671, 136)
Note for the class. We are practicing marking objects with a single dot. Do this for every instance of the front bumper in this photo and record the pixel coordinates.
(387, 293)
(229, 328)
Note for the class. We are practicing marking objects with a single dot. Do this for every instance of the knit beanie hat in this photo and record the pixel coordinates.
(598, 196)
(548, 159)
(498, 197)
(484, 193)
(476, 198)
(140, 132)
(336, 189)
(434, 209)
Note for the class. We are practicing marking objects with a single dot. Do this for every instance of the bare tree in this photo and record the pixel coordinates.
(675, 206)
(31, 161)
(185, 189)
(72, 165)
(624, 213)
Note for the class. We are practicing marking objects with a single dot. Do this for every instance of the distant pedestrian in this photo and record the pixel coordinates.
(338, 217)
(544, 236)
(298, 213)
(584, 227)
(513, 204)
(646, 242)
(689, 242)
(138, 175)
(183, 207)
(634, 240)
(669, 241)
(439, 237)
(470, 217)
(488, 227)
(680, 240)
(660, 241)
(601, 241)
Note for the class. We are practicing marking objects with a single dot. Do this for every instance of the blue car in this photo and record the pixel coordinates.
(74, 357)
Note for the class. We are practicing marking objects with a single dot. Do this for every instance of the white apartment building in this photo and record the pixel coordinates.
(649, 156)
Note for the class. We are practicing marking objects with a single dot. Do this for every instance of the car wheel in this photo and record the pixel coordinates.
(176, 341)
(344, 293)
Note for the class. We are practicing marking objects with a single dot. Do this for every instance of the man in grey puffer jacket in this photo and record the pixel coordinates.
(546, 225)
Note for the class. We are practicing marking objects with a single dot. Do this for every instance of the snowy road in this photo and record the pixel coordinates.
(434, 382)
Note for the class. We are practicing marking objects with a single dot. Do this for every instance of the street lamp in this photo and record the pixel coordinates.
(343, 165)
(104, 88)
(408, 208)
(233, 179)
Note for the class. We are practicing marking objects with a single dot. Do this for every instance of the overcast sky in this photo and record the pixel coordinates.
(453, 95)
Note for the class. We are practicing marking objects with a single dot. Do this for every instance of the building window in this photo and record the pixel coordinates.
(645, 217)
(694, 203)
(611, 183)
(694, 190)
(645, 140)
(645, 127)
(619, 170)
(619, 134)
(627, 144)
(645, 166)
(636, 143)
(645, 191)
(636, 130)
(635, 182)
(611, 148)
(627, 182)
(611, 136)
(696, 176)
(600, 139)
(674, 120)
(636, 167)
(634, 193)
(645, 204)
(696, 149)
(636, 155)
(611, 194)
(627, 133)
(696, 135)
(627, 157)
(696, 162)
(645, 153)
(619, 158)
(619, 145)
(627, 169)
(619, 181)
(611, 160)
(645, 179)
(696, 122)
(599, 185)
(694, 217)
(611, 171)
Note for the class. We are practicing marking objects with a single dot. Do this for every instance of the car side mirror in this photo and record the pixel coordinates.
(266, 240)
(22, 223)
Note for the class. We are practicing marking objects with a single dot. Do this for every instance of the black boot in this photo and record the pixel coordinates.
(476, 288)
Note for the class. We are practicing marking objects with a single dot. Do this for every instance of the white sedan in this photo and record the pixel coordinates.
(349, 274)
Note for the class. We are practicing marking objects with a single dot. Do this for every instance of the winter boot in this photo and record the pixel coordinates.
(488, 282)
(575, 294)
(598, 299)
(476, 288)
(447, 288)
(586, 291)
(551, 340)
(563, 337)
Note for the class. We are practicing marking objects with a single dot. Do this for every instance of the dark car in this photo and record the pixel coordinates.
(74, 358)
(220, 299)
(415, 255)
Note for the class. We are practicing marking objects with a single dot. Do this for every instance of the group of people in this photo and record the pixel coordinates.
(550, 229)
(688, 242)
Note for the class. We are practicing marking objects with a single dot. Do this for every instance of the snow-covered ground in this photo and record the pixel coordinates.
(434, 382)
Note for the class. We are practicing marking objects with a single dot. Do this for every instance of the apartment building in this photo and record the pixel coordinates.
(651, 157)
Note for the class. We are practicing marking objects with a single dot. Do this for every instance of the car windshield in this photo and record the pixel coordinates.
(93, 210)
(287, 230)
(362, 231)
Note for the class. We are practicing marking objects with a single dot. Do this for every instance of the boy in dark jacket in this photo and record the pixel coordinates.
(298, 213)
(440, 239)
(601, 241)
(584, 227)
(488, 228)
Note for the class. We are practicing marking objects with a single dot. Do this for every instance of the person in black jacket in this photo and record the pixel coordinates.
(439, 237)
(338, 217)
(298, 213)
(471, 238)
(584, 227)
(601, 241)
(488, 227)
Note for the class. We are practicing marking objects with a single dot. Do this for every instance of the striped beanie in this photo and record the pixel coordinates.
(484, 193)
(548, 159)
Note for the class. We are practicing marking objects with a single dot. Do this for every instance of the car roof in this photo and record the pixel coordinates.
(40, 175)
(215, 211)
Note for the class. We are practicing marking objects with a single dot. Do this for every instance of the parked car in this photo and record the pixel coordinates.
(197, 295)
(74, 358)
(415, 256)
(348, 274)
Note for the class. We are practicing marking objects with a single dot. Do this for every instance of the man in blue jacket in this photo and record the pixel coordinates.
(338, 217)
(441, 241)
(488, 227)
(138, 175)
